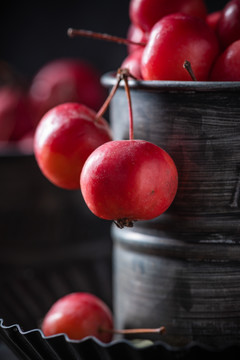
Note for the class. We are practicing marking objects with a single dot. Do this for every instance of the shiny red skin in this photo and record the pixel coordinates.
(63, 140)
(145, 13)
(229, 23)
(175, 39)
(227, 66)
(66, 80)
(79, 315)
(213, 18)
(133, 63)
(129, 179)
(15, 115)
(137, 35)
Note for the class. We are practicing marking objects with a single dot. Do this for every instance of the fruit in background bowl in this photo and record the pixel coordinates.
(9, 76)
(66, 80)
(15, 114)
(64, 138)
(79, 315)
(8, 102)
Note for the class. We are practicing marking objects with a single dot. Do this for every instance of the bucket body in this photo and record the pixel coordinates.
(182, 269)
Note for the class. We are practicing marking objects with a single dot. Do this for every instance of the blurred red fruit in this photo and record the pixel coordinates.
(66, 80)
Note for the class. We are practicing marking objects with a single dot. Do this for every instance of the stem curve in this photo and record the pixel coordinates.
(102, 36)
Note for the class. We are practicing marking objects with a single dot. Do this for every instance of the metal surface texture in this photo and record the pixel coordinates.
(182, 269)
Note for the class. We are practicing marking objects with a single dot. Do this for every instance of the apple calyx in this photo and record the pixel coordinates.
(125, 222)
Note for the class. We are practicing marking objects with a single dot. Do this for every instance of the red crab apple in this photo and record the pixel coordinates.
(128, 180)
(133, 63)
(64, 138)
(175, 39)
(227, 66)
(82, 314)
(213, 18)
(65, 80)
(145, 13)
(229, 23)
(137, 35)
(79, 315)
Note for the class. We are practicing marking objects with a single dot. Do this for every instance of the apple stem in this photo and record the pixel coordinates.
(188, 67)
(161, 330)
(106, 103)
(100, 36)
(125, 78)
(122, 74)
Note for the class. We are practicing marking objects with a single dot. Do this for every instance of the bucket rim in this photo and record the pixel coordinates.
(108, 80)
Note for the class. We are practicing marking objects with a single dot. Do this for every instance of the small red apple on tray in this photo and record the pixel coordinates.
(80, 315)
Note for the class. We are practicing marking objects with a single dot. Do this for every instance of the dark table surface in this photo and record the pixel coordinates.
(6, 353)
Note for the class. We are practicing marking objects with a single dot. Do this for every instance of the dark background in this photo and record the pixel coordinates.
(33, 33)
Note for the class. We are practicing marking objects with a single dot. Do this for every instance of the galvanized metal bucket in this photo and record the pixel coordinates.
(182, 270)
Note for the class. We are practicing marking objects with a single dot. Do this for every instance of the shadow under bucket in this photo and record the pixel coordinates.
(182, 269)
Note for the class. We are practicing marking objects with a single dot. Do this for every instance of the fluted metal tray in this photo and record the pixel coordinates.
(34, 345)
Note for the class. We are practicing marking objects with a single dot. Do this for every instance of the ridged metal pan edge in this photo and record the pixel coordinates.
(28, 345)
